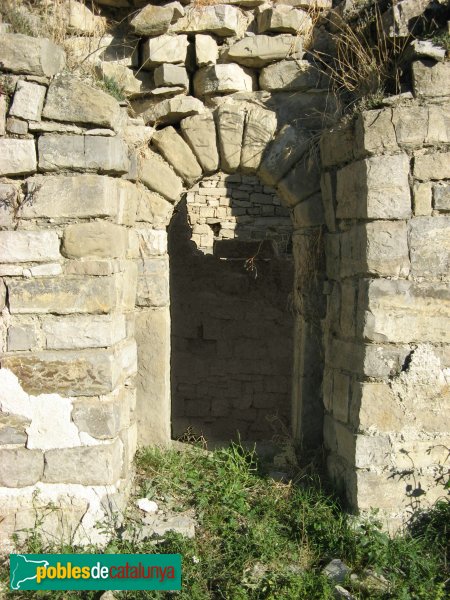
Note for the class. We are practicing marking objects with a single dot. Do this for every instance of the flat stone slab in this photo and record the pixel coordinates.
(261, 50)
(30, 55)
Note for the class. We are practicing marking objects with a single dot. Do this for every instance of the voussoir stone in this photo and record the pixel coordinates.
(34, 56)
(172, 110)
(223, 79)
(200, 133)
(230, 128)
(156, 174)
(290, 75)
(301, 182)
(259, 129)
(164, 49)
(221, 20)
(73, 101)
(155, 20)
(20, 467)
(177, 153)
(261, 50)
(17, 157)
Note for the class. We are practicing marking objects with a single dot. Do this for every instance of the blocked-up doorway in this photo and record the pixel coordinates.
(231, 277)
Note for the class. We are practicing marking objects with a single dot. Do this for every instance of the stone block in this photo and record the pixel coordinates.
(122, 75)
(290, 75)
(438, 125)
(441, 197)
(16, 126)
(432, 166)
(206, 50)
(222, 20)
(33, 56)
(12, 429)
(173, 110)
(422, 199)
(308, 213)
(81, 331)
(3, 111)
(282, 153)
(17, 157)
(69, 373)
(411, 125)
(230, 128)
(151, 242)
(375, 407)
(155, 20)
(67, 295)
(99, 239)
(337, 145)
(396, 20)
(72, 101)
(429, 239)
(77, 153)
(91, 465)
(374, 133)
(154, 209)
(374, 188)
(283, 18)
(80, 197)
(20, 467)
(430, 79)
(156, 174)
(28, 101)
(341, 392)
(170, 49)
(199, 132)
(153, 282)
(301, 182)
(223, 79)
(261, 50)
(375, 248)
(171, 75)
(404, 311)
(260, 126)
(21, 338)
(2, 295)
(177, 153)
(79, 19)
(102, 418)
(29, 246)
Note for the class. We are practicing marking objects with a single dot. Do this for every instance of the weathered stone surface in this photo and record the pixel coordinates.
(302, 181)
(290, 75)
(12, 429)
(200, 133)
(221, 20)
(431, 166)
(177, 153)
(153, 282)
(259, 128)
(63, 296)
(73, 101)
(404, 311)
(93, 331)
(92, 465)
(309, 213)
(20, 467)
(155, 20)
(76, 152)
(427, 49)
(79, 196)
(282, 18)
(154, 209)
(396, 20)
(410, 124)
(21, 338)
(29, 246)
(337, 145)
(206, 50)
(171, 111)
(375, 133)
(156, 174)
(171, 75)
(79, 19)
(431, 79)
(122, 75)
(153, 338)
(3, 111)
(422, 198)
(17, 157)
(100, 239)
(430, 246)
(374, 188)
(100, 418)
(230, 129)
(164, 49)
(28, 101)
(441, 197)
(35, 56)
(379, 248)
(261, 50)
(16, 126)
(223, 79)
(282, 153)
(151, 242)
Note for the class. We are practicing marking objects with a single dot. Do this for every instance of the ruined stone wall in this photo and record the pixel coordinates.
(386, 380)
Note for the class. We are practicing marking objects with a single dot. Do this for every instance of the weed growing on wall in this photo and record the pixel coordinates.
(261, 539)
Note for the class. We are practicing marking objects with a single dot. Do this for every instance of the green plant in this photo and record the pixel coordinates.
(110, 85)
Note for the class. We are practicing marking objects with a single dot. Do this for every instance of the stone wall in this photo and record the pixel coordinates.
(386, 380)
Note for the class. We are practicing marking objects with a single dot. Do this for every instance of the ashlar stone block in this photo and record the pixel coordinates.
(34, 56)
(28, 101)
(29, 246)
(100, 239)
(20, 467)
(17, 157)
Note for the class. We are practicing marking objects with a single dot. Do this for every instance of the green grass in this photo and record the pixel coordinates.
(249, 523)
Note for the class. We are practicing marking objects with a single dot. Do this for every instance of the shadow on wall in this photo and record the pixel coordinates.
(231, 363)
